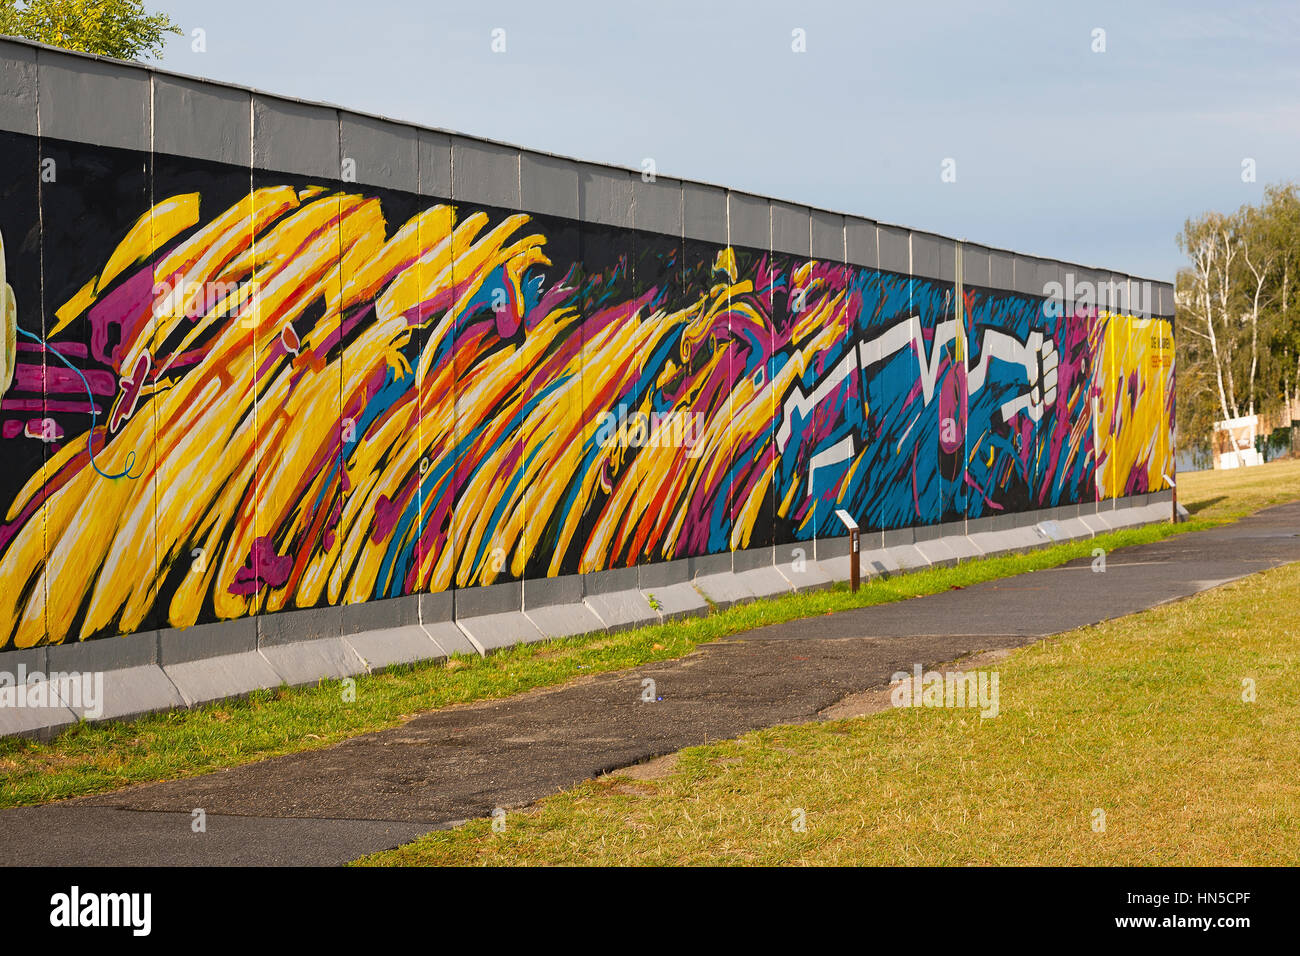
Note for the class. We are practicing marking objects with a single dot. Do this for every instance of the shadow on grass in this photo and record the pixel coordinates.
(1199, 506)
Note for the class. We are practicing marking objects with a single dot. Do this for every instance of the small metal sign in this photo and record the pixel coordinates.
(847, 518)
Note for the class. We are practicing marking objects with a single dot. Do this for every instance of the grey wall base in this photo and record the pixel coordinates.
(159, 671)
(675, 601)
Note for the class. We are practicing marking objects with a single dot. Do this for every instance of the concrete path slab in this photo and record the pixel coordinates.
(809, 575)
(871, 564)
(1095, 524)
(765, 582)
(960, 545)
(306, 662)
(1052, 529)
(908, 557)
(393, 645)
(448, 636)
(619, 610)
(877, 562)
(1160, 511)
(991, 542)
(130, 692)
(41, 722)
(936, 551)
(564, 620)
(1125, 517)
(724, 588)
(838, 566)
(1074, 528)
(1026, 538)
(673, 601)
(216, 678)
(495, 631)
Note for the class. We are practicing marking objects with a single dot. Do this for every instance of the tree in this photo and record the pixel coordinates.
(1238, 314)
(1259, 253)
(122, 29)
(1283, 204)
(1207, 297)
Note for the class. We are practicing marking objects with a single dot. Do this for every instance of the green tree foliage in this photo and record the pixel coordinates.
(118, 28)
(1238, 314)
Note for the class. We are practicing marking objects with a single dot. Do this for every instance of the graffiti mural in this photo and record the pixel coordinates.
(224, 398)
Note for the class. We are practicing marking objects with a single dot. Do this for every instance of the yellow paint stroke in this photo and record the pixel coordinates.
(1133, 405)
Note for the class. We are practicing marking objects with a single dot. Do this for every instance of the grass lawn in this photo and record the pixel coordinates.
(92, 758)
(1213, 494)
(1141, 718)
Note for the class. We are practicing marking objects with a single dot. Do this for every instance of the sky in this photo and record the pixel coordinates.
(1059, 148)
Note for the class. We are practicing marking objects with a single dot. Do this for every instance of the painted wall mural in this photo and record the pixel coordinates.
(223, 398)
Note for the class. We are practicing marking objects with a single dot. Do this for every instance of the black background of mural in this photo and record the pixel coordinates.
(697, 280)
(564, 249)
(749, 461)
(605, 278)
(20, 224)
(97, 196)
(656, 265)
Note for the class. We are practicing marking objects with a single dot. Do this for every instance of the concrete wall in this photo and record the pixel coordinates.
(280, 371)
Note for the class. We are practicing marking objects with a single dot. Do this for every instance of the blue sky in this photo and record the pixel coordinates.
(1095, 158)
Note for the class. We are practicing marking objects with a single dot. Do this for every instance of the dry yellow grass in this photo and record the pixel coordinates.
(1217, 494)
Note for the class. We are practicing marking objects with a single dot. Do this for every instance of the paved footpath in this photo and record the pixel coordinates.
(382, 789)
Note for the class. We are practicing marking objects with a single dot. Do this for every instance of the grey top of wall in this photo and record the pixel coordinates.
(783, 206)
